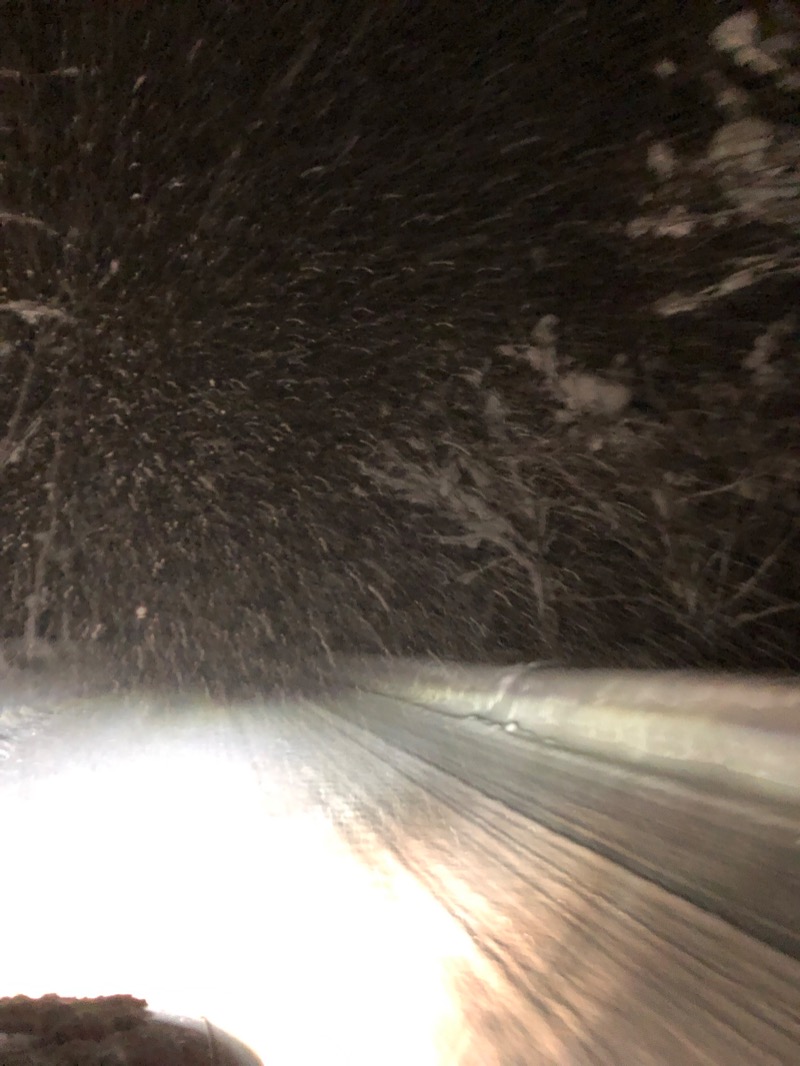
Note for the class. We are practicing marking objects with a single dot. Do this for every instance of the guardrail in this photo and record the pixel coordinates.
(745, 729)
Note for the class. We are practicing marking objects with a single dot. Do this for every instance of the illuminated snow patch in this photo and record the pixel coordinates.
(174, 876)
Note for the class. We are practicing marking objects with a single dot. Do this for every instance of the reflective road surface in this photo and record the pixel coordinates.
(419, 893)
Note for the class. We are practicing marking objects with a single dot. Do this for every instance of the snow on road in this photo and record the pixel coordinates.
(331, 899)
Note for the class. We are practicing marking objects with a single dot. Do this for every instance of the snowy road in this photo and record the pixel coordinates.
(331, 898)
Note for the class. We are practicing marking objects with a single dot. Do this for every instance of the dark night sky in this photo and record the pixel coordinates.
(284, 227)
(327, 180)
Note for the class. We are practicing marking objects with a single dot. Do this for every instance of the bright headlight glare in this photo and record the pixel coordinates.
(173, 876)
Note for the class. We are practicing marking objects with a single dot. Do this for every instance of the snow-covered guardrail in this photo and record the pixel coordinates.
(744, 729)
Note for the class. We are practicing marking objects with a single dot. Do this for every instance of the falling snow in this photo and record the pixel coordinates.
(373, 330)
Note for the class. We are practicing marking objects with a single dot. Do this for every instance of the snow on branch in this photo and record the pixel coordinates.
(767, 362)
(749, 171)
(749, 271)
(34, 312)
(579, 393)
(8, 218)
(740, 38)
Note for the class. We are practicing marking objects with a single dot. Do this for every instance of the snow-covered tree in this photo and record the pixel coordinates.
(667, 528)
(745, 178)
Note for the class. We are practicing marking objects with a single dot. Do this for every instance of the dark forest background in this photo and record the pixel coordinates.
(467, 330)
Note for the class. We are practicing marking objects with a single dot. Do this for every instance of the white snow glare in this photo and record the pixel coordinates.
(177, 876)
